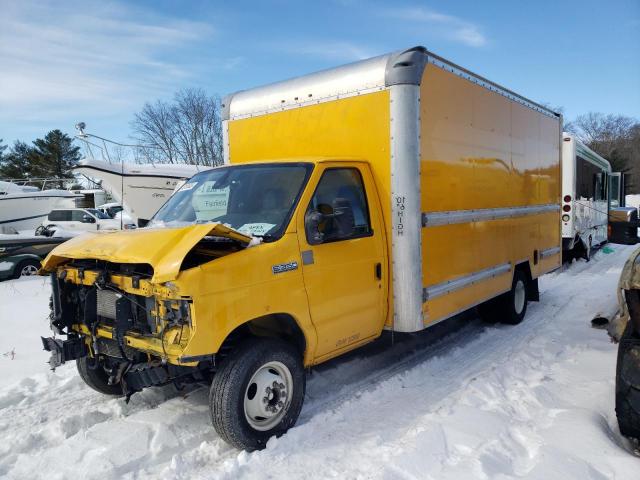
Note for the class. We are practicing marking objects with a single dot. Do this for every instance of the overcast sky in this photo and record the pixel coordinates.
(100, 61)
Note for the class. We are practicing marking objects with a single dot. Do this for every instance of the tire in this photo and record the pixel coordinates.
(97, 378)
(26, 268)
(511, 307)
(628, 384)
(240, 389)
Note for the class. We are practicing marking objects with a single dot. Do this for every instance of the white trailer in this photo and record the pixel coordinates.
(589, 188)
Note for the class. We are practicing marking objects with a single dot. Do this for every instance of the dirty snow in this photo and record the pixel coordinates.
(461, 400)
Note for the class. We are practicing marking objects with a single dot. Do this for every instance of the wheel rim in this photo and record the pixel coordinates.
(28, 270)
(268, 396)
(520, 296)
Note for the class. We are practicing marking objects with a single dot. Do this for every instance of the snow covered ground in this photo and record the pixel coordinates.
(462, 400)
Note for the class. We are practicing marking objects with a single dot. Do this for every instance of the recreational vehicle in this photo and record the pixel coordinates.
(388, 194)
(589, 189)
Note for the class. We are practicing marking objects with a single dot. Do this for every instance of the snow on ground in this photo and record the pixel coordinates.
(461, 400)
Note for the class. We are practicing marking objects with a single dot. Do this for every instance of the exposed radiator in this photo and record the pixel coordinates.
(106, 303)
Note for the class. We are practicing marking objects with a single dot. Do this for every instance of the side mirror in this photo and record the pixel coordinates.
(312, 221)
(88, 219)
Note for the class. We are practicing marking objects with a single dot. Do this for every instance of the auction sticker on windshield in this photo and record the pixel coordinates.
(188, 186)
(256, 228)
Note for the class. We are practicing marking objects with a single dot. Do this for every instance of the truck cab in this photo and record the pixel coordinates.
(291, 251)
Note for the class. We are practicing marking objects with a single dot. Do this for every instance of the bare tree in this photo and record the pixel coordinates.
(616, 138)
(186, 130)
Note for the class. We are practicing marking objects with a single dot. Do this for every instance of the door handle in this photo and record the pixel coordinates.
(378, 271)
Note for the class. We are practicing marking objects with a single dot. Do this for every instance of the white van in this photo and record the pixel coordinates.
(82, 220)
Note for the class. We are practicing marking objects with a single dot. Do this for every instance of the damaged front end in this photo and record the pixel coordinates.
(119, 315)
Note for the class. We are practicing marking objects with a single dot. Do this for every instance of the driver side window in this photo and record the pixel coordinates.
(338, 209)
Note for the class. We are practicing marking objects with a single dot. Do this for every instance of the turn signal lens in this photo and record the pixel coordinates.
(567, 198)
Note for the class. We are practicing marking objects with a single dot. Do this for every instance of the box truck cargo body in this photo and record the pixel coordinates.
(467, 172)
(391, 193)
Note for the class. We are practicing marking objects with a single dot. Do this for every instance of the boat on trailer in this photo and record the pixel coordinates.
(140, 188)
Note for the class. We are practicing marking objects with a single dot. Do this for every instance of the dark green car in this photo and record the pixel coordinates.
(16, 266)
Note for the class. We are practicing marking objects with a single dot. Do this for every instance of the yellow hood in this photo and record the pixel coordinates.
(162, 248)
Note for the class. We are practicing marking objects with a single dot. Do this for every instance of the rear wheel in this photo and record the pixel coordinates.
(257, 393)
(511, 307)
(95, 376)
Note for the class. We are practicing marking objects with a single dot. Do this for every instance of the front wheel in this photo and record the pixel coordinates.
(257, 393)
(26, 268)
(94, 375)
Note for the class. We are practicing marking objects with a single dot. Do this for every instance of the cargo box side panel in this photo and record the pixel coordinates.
(483, 156)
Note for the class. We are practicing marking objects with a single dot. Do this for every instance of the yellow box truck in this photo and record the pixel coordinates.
(390, 193)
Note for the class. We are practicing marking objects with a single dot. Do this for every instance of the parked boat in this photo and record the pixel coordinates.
(24, 207)
(141, 188)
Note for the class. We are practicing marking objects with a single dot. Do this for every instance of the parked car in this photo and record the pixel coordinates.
(16, 266)
(626, 328)
(82, 220)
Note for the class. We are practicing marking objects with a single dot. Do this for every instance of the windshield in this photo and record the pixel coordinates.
(254, 199)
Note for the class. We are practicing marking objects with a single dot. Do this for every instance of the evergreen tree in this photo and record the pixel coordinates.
(16, 163)
(2, 149)
(54, 155)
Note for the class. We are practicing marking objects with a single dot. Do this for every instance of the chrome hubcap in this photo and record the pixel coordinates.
(268, 396)
(520, 297)
(28, 270)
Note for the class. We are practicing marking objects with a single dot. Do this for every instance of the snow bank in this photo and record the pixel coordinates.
(483, 401)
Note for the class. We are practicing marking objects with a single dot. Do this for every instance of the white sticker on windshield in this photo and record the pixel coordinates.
(256, 228)
(188, 186)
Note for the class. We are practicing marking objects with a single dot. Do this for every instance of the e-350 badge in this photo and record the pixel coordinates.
(284, 267)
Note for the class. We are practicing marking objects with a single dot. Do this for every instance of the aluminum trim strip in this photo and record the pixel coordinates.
(434, 219)
(225, 143)
(406, 238)
(549, 252)
(450, 286)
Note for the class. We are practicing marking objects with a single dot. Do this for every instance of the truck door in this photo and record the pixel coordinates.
(616, 190)
(343, 256)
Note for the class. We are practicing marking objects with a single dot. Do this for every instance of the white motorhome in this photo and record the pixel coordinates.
(589, 188)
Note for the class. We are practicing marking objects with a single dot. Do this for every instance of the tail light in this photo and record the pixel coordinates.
(567, 198)
(566, 208)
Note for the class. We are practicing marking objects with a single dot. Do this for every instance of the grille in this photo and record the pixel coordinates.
(106, 303)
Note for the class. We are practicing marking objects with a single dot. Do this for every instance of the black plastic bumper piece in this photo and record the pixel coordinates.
(64, 350)
(144, 375)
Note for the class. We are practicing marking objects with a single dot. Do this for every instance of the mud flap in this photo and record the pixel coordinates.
(64, 351)
(533, 291)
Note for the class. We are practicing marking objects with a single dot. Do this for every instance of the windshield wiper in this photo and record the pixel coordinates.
(267, 237)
